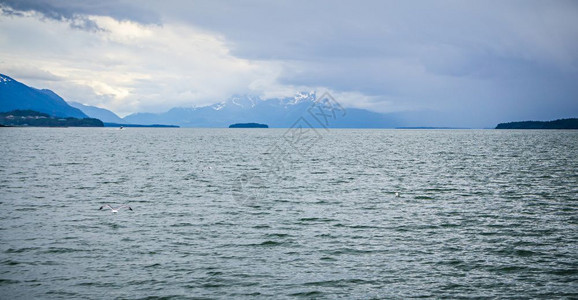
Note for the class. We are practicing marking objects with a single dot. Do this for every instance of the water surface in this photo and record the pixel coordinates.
(221, 213)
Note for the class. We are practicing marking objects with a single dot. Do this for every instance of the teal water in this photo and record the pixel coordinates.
(253, 213)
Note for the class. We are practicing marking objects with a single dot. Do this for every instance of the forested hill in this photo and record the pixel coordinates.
(557, 124)
(38, 119)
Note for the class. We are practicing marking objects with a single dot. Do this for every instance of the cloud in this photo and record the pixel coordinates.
(128, 66)
(28, 72)
(76, 11)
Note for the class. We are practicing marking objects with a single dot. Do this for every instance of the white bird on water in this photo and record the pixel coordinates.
(397, 194)
(112, 209)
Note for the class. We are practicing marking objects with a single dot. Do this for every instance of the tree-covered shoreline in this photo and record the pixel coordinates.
(571, 123)
(31, 118)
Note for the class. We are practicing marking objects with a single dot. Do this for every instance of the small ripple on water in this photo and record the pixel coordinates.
(10, 262)
(340, 282)
(315, 220)
(269, 243)
(4, 281)
(20, 250)
(307, 294)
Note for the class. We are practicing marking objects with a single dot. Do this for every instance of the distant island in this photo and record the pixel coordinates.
(37, 119)
(557, 124)
(249, 125)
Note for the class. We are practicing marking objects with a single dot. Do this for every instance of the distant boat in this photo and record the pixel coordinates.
(114, 210)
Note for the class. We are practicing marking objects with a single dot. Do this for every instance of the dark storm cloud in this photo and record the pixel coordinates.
(75, 12)
(501, 59)
(327, 29)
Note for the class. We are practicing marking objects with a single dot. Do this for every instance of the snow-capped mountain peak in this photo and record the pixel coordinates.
(5, 79)
(300, 97)
(219, 105)
(304, 96)
(245, 101)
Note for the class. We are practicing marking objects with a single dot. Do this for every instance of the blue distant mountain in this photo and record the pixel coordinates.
(102, 114)
(18, 96)
(274, 112)
(110, 119)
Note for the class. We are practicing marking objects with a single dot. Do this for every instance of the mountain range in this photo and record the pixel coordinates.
(277, 112)
(102, 114)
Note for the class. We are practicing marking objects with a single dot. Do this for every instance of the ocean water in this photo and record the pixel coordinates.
(275, 213)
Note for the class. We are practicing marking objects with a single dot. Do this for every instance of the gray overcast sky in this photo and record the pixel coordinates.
(459, 63)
